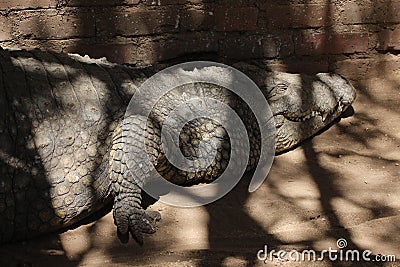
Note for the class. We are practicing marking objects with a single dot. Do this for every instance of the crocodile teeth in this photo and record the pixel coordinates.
(311, 115)
(324, 116)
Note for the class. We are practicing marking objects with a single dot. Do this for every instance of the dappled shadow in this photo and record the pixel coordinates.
(234, 231)
(56, 122)
(324, 179)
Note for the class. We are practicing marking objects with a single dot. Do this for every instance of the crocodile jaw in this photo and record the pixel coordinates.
(304, 105)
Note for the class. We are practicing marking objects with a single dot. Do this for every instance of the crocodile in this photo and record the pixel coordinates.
(62, 144)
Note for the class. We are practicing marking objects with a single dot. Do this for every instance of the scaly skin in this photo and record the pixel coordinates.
(63, 153)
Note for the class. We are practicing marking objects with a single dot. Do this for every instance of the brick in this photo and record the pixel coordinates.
(389, 39)
(93, 2)
(236, 19)
(132, 2)
(24, 4)
(5, 29)
(89, 3)
(241, 47)
(361, 13)
(302, 65)
(311, 44)
(390, 12)
(245, 47)
(197, 20)
(201, 1)
(52, 25)
(48, 45)
(236, 3)
(312, 16)
(134, 23)
(347, 43)
(165, 2)
(185, 44)
(352, 68)
(357, 13)
(278, 46)
(297, 16)
(322, 43)
(382, 65)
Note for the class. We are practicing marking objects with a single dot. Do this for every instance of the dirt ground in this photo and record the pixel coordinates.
(343, 183)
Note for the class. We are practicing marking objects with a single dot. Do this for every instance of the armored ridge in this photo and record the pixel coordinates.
(63, 153)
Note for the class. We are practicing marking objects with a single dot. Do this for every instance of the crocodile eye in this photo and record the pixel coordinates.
(281, 88)
(278, 90)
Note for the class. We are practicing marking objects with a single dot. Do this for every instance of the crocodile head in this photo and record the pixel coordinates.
(303, 105)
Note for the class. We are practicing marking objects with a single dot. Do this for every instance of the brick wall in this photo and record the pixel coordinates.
(291, 35)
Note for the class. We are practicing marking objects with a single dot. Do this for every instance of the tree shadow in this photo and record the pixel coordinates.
(46, 110)
(232, 232)
(233, 207)
(328, 191)
(24, 186)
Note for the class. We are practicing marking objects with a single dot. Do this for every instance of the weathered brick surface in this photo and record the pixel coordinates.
(347, 43)
(292, 32)
(24, 4)
(278, 46)
(380, 12)
(389, 39)
(137, 22)
(311, 44)
(241, 47)
(236, 19)
(201, 1)
(164, 2)
(197, 20)
(337, 43)
(5, 29)
(367, 67)
(53, 25)
(245, 47)
(297, 16)
(175, 2)
(391, 12)
(94, 2)
(357, 13)
(183, 45)
(132, 2)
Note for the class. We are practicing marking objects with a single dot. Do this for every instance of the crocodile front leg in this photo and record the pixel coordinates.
(129, 172)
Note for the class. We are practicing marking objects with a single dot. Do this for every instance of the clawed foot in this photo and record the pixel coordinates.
(130, 170)
(135, 221)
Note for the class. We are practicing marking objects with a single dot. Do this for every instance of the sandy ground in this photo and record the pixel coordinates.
(343, 183)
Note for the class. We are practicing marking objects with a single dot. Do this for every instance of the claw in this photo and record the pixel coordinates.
(145, 226)
(124, 238)
(154, 216)
(121, 221)
(137, 236)
(134, 221)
